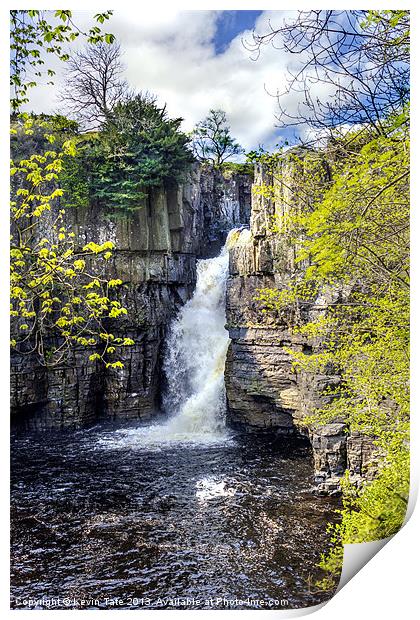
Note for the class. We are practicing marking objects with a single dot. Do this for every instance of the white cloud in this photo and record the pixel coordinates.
(172, 55)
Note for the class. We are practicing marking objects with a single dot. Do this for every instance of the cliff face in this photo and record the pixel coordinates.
(226, 204)
(264, 392)
(155, 256)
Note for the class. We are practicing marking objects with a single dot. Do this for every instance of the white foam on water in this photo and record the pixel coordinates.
(212, 488)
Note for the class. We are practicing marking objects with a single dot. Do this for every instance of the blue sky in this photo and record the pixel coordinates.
(230, 24)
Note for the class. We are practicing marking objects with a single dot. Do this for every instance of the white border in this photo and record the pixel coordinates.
(387, 586)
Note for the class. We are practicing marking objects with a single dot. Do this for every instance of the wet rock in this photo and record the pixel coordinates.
(226, 202)
(361, 457)
(330, 456)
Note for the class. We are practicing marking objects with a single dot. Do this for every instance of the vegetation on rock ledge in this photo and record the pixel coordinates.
(351, 227)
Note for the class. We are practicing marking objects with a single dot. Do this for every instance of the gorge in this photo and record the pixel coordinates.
(209, 304)
(203, 489)
(157, 250)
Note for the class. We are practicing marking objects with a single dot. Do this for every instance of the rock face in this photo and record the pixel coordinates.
(155, 256)
(264, 391)
(226, 204)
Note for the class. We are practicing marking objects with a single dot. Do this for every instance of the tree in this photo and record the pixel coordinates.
(138, 149)
(361, 60)
(94, 84)
(32, 33)
(60, 296)
(212, 141)
(353, 237)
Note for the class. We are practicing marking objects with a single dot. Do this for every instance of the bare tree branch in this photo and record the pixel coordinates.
(361, 59)
(94, 84)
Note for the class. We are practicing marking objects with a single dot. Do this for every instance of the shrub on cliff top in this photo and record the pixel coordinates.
(138, 149)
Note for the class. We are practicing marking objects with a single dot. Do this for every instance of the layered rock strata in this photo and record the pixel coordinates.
(155, 257)
(264, 391)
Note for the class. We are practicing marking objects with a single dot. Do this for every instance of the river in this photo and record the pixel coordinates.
(94, 519)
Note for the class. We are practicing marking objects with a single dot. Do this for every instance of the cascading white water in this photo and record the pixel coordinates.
(194, 364)
(196, 353)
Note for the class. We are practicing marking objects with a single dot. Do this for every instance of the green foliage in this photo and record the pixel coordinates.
(360, 228)
(35, 32)
(74, 175)
(270, 159)
(212, 141)
(375, 511)
(60, 296)
(74, 180)
(348, 218)
(392, 26)
(230, 167)
(40, 131)
(350, 228)
(138, 149)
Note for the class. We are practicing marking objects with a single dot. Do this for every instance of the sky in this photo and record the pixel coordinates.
(197, 60)
(229, 24)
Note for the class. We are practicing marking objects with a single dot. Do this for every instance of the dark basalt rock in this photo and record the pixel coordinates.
(155, 256)
(264, 392)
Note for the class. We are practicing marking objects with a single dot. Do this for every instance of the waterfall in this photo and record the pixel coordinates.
(196, 353)
(194, 363)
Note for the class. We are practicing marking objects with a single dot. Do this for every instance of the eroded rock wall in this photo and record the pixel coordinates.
(155, 257)
(226, 201)
(264, 391)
